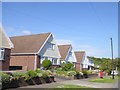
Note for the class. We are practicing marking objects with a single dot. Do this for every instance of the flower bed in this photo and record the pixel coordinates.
(19, 79)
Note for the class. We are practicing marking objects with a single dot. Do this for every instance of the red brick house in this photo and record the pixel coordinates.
(82, 61)
(5, 50)
(30, 50)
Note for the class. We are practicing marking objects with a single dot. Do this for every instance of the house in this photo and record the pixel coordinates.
(30, 50)
(67, 53)
(82, 60)
(5, 50)
(91, 64)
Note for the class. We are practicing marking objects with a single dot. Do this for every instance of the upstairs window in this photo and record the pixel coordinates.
(2, 51)
(70, 53)
(52, 46)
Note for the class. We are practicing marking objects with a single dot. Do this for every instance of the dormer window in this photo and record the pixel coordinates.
(2, 51)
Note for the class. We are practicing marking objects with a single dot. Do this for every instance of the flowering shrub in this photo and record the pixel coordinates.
(71, 73)
(5, 77)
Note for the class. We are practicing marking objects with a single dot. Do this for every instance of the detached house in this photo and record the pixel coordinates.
(5, 50)
(82, 60)
(67, 53)
(29, 51)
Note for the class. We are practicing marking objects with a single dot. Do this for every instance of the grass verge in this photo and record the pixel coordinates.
(104, 80)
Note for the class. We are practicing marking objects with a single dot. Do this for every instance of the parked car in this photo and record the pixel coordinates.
(115, 72)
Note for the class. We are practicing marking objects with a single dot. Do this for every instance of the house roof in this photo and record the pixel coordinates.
(29, 43)
(79, 56)
(63, 49)
(5, 42)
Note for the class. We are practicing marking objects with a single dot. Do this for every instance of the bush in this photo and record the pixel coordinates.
(84, 72)
(5, 77)
(17, 75)
(71, 73)
(44, 75)
(38, 70)
(26, 76)
(32, 74)
(77, 72)
(67, 66)
(49, 73)
(46, 64)
(89, 72)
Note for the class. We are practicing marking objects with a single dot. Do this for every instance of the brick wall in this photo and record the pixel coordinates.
(26, 61)
(77, 66)
(4, 64)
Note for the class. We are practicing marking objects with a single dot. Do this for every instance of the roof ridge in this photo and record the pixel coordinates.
(79, 51)
(31, 34)
(65, 45)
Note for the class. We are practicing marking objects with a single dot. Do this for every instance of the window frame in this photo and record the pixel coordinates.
(2, 54)
(51, 46)
(54, 61)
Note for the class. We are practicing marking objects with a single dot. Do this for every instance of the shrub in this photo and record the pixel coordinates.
(5, 77)
(46, 64)
(71, 73)
(17, 75)
(32, 74)
(44, 75)
(38, 70)
(49, 73)
(81, 73)
(26, 76)
(67, 66)
(89, 72)
(77, 72)
(84, 72)
(39, 74)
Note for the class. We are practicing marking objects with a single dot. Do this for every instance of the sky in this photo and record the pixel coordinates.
(87, 26)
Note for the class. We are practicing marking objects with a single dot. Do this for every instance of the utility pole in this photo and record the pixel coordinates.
(112, 58)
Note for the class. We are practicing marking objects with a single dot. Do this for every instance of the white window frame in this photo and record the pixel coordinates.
(52, 46)
(70, 53)
(2, 53)
(53, 61)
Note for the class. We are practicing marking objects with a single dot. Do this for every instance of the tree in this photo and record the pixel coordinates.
(46, 64)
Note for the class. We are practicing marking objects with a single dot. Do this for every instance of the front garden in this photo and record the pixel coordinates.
(67, 70)
(19, 79)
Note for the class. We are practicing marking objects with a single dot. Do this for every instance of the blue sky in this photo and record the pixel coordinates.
(87, 26)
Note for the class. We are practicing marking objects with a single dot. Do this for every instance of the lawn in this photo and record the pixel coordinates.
(73, 87)
(104, 80)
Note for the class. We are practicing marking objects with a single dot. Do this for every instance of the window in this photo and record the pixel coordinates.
(46, 58)
(15, 67)
(52, 46)
(54, 61)
(2, 51)
(70, 53)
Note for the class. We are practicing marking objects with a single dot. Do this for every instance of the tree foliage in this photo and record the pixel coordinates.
(106, 64)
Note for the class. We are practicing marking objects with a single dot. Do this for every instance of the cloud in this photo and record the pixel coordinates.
(26, 32)
(63, 42)
(92, 51)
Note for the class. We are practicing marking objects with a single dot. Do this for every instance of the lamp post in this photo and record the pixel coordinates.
(112, 58)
